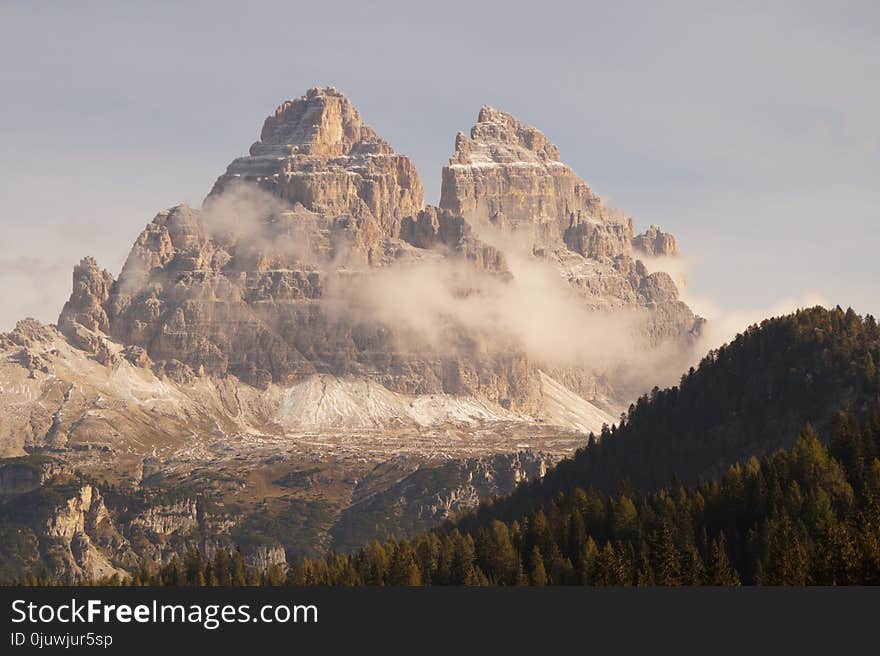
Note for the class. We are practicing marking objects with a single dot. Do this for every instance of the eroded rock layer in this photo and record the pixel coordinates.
(316, 151)
(509, 178)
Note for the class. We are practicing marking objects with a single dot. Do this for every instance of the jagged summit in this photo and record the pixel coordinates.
(511, 174)
(508, 176)
(498, 137)
(654, 242)
(316, 151)
(322, 123)
(252, 288)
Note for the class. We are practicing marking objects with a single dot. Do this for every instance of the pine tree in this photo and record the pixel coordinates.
(625, 518)
(239, 575)
(537, 572)
(666, 559)
(787, 562)
(403, 569)
(837, 559)
(496, 554)
(194, 568)
(588, 562)
(720, 571)
(645, 573)
(692, 569)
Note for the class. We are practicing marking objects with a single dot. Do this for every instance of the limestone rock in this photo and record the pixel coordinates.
(239, 286)
(510, 170)
(80, 534)
(137, 356)
(510, 176)
(263, 557)
(243, 285)
(655, 242)
(417, 501)
(657, 288)
(316, 150)
(20, 476)
(434, 227)
(181, 517)
(84, 312)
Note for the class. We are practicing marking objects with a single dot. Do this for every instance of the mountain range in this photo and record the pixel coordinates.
(315, 358)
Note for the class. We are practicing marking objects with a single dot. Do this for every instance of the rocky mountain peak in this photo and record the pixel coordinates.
(498, 137)
(84, 312)
(512, 171)
(322, 123)
(654, 242)
(241, 286)
(316, 151)
(507, 175)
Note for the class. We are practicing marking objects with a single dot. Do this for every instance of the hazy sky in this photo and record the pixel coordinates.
(750, 132)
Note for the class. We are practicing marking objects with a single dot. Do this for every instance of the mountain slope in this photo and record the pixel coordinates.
(746, 399)
(809, 515)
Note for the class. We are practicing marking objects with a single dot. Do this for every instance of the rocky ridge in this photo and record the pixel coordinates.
(239, 287)
(316, 151)
(510, 177)
(233, 353)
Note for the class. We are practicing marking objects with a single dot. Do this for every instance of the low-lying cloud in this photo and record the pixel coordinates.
(449, 305)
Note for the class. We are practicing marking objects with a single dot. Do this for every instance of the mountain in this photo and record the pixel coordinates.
(246, 285)
(315, 339)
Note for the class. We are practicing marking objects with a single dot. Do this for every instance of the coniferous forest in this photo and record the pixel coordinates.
(760, 468)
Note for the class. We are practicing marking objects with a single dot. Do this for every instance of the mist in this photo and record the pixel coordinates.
(452, 306)
(724, 322)
(449, 305)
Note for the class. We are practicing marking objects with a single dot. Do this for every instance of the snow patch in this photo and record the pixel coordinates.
(321, 402)
(562, 407)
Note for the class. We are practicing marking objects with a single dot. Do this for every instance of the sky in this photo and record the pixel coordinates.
(751, 131)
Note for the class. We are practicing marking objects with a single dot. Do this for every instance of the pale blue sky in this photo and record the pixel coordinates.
(750, 132)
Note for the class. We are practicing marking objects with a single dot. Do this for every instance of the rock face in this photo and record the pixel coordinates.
(237, 288)
(509, 177)
(116, 411)
(434, 227)
(77, 535)
(84, 313)
(655, 242)
(240, 287)
(432, 494)
(316, 151)
(73, 533)
(20, 477)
